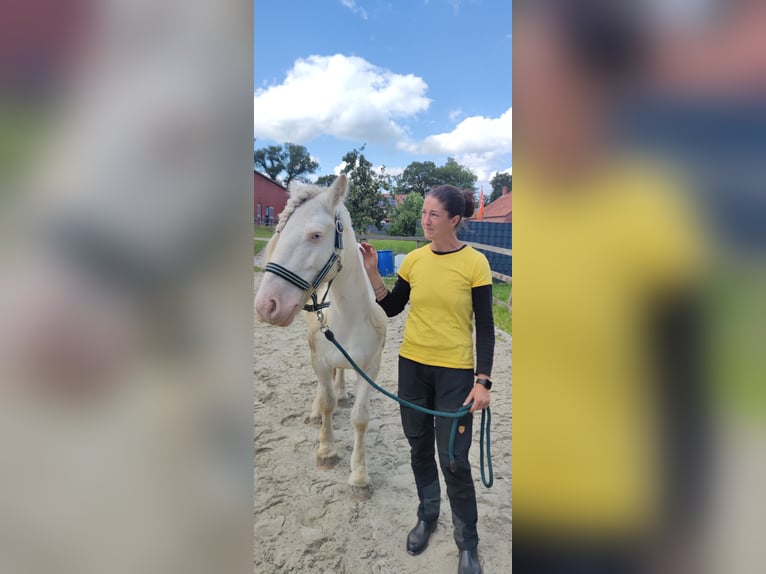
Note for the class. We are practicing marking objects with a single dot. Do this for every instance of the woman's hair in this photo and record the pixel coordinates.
(454, 200)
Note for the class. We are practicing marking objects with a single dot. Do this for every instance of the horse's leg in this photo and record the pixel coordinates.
(360, 417)
(340, 387)
(315, 417)
(339, 382)
(314, 335)
(326, 455)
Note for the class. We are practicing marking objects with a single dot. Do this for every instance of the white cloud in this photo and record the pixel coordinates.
(477, 142)
(509, 171)
(344, 96)
(475, 134)
(455, 114)
(351, 5)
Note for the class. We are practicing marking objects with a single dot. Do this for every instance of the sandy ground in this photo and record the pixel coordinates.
(306, 519)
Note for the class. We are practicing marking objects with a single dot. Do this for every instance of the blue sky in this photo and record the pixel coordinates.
(416, 80)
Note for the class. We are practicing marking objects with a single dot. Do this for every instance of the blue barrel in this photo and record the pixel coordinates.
(386, 262)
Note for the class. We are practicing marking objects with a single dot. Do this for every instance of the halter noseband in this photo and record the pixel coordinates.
(302, 284)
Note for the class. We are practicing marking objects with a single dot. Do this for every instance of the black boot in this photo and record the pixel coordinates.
(417, 539)
(469, 562)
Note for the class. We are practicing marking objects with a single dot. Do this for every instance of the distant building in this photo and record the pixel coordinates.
(269, 199)
(499, 211)
(393, 200)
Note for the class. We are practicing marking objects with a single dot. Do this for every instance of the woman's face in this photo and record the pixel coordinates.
(436, 222)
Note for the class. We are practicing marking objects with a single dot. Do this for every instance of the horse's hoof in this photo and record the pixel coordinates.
(361, 492)
(327, 462)
(314, 421)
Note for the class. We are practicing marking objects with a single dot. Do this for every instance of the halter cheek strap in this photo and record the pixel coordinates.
(302, 284)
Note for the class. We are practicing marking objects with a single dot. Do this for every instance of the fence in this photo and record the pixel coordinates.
(494, 240)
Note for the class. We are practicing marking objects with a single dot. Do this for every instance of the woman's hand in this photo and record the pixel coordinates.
(369, 257)
(480, 397)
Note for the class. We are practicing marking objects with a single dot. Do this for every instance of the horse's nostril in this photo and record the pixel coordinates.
(271, 310)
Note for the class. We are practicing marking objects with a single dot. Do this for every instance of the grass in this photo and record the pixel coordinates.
(501, 290)
(503, 318)
(263, 231)
(735, 333)
(258, 245)
(396, 246)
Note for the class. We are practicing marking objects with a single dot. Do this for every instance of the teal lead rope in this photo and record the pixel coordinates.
(461, 412)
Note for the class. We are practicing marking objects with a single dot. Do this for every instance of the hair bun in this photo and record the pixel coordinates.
(469, 199)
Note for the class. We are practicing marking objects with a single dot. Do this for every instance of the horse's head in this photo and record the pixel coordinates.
(303, 244)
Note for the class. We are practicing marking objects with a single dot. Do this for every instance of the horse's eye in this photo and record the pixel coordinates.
(316, 236)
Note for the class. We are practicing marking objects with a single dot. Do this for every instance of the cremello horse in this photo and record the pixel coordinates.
(314, 244)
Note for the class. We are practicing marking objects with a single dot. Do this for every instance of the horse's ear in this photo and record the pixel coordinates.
(338, 189)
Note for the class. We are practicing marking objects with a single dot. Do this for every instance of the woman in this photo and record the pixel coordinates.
(446, 283)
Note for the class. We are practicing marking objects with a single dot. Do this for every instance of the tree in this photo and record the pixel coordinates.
(417, 177)
(299, 163)
(406, 216)
(292, 159)
(326, 180)
(498, 181)
(453, 173)
(422, 176)
(270, 160)
(363, 199)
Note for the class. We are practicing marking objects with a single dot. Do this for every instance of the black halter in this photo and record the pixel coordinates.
(304, 285)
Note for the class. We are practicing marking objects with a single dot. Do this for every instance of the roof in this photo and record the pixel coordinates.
(499, 208)
(267, 178)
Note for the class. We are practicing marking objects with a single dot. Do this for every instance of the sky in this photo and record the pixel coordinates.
(414, 80)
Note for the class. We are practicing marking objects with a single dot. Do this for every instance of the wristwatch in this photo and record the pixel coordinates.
(486, 383)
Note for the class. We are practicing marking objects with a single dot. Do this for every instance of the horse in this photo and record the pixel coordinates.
(306, 257)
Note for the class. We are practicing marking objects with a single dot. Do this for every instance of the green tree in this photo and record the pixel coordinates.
(498, 181)
(299, 163)
(270, 160)
(453, 173)
(422, 176)
(406, 216)
(326, 180)
(417, 177)
(291, 159)
(363, 199)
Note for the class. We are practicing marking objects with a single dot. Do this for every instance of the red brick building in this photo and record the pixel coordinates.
(269, 199)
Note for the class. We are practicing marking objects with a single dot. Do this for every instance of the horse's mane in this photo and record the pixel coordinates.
(299, 194)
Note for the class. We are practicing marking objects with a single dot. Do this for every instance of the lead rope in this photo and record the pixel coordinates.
(461, 412)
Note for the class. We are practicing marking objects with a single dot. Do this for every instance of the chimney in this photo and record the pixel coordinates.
(505, 190)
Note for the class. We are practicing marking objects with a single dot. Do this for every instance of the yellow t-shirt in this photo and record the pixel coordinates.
(439, 328)
(588, 262)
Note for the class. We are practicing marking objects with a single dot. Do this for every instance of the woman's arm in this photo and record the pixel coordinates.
(485, 330)
(485, 345)
(392, 302)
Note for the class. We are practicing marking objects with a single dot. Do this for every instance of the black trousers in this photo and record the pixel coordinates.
(540, 556)
(441, 389)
